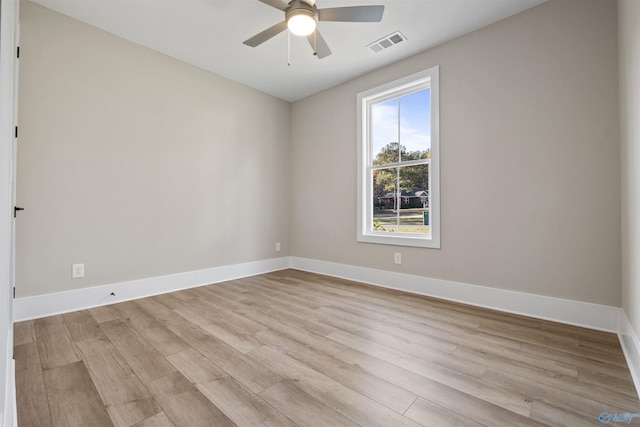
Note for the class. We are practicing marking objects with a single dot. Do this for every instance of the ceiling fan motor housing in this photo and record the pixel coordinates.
(299, 7)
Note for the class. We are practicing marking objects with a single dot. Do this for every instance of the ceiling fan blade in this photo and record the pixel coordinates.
(278, 4)
(318, 43)
(265, 35)
(351, 14)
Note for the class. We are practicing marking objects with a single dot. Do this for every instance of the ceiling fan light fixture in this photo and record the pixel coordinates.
(301, 22)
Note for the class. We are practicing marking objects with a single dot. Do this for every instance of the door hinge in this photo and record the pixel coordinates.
(14, 292)
(16, 131)
(17, 51)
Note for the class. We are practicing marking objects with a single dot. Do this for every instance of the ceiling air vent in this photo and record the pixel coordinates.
(386, 42)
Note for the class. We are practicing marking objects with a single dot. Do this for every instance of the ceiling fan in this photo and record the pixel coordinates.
(301, 18)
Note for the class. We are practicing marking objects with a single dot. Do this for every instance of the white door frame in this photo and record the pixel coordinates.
(8, 112)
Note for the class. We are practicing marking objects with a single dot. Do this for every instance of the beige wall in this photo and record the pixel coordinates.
(629, 51)
(138, 165)
(530, 159)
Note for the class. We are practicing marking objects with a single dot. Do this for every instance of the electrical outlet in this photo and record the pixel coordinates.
(77, 271)
(277, 246)
(397, 258)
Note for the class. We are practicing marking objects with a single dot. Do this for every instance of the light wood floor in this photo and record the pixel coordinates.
(292, 348)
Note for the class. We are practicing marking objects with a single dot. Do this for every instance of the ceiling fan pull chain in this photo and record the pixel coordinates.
(289, 48)
(315, 42)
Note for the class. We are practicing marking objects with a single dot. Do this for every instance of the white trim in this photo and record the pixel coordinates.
(9, 21)
(578, 313)
(428, 78)
(588, 315)
(11, 396)
(10, 416)
(631, 348)
(64, 302)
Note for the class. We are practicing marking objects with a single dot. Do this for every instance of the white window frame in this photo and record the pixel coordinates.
(425, 79)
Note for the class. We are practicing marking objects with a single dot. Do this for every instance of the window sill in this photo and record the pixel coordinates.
(400, 240)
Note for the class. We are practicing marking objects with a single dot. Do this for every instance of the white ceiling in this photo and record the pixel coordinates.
(209, 34)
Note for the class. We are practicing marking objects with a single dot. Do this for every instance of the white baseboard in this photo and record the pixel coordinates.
(64, 302)
(631, 348)
(593, 316)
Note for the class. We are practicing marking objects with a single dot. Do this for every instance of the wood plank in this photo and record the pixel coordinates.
(554, 341)
(600, 380)
(536, 389)
(127, 399)
(407, 361)
(606, 346)
(33, 406)
(131, 313)
(312, 340)
(103, 314)
(148, 363)
(195, 367)
(263, 305)
(216, 311)
(570, 358)
(168, 300)
(383, 392)
(23, 333)
(571, 385)
(163, 314)
(488, 355)
(82, 325)
(418, 332)
(396, 337)
(353, 405)
(473, 407)
(241, 405)
(514, 366)
(552, 415)
(192, 315)
(54, 343)
(580, 332)
(158, 420)
(163, 340)
(441, 329)
(245, 370)
(184, 295)
(232, 336)
(430, 414)
(155, 331)
(303, 409)
(185, 405)
(510, 400)
(73, 398)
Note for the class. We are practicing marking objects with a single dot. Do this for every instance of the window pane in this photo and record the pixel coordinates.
(415, 125)
(414, 203)
(384, 200)
(384, 132)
